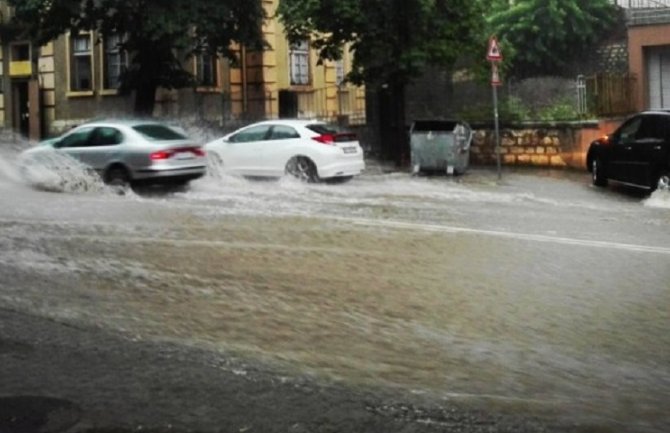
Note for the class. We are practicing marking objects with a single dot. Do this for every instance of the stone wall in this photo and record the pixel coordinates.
(545, 145)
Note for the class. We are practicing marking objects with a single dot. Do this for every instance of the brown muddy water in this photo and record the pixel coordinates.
(442, 292)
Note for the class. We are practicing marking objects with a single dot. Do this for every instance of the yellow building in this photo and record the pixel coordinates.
(74, 78)
(286, 80)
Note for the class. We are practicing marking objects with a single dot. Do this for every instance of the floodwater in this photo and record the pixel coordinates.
(536, 294)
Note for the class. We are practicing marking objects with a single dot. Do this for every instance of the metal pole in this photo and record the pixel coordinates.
(497, 128)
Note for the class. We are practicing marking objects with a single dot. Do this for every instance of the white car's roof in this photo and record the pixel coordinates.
(290, 122)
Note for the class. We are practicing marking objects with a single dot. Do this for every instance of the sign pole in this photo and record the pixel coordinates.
(497, 129)
(494, 55)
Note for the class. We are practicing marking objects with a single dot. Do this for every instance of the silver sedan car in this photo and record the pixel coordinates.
(129, 152)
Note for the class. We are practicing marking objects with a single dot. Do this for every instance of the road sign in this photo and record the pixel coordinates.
(495, 75)
(494, 54)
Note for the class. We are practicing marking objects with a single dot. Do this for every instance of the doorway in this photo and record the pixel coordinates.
(20, 108)
(658, 78)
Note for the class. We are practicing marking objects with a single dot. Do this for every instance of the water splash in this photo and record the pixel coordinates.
(53, 171)
(659, 199)
(8, 171)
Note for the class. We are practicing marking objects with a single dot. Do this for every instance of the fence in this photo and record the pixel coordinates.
(333, 103)
(610, 94)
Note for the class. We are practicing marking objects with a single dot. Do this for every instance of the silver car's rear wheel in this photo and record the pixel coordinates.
(302, 168)
(118, 179)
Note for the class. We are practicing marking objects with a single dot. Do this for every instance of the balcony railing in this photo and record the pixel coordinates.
(642, 4)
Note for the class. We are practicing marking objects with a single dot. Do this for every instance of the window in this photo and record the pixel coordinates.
(106, 136)
(282, 132)
(20, 64)
(325, 129)
(158, 132)
(255, 133)
(299, 63)
(20, 52)
(115, 62)
(627, 132)
(78, 138)
(81, 73)
(206, 70)
(652, 128)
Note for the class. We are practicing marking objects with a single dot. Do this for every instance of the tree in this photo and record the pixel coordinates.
(155, 32)
(392, 42)
(545, 36)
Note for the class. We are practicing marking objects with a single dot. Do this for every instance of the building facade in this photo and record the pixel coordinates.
(649, 51)
(49, 89)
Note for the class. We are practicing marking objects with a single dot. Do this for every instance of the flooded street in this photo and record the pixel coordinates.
(538, 294)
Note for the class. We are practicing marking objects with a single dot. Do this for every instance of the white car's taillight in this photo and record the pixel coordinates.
(325, 139)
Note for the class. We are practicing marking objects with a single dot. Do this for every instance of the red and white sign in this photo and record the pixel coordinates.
(495, 75)
(493, 54)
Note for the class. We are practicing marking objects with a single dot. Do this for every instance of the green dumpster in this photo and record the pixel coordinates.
(440, 145)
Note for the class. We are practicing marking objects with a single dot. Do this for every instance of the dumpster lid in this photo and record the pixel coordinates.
(435, 125)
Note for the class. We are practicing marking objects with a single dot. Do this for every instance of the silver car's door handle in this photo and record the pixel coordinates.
(657, 147)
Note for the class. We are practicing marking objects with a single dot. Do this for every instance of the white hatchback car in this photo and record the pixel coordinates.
(307, 149)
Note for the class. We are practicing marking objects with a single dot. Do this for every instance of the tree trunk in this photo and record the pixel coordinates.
(392, 124)
(145, 100)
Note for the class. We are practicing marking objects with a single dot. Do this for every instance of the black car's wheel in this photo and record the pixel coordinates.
(302, 168)
(598, 172)
(663, 181)
(118, 179)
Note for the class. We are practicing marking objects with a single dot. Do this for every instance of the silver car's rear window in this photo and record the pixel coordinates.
(158, 132)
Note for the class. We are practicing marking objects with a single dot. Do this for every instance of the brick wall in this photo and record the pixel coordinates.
(548, 145)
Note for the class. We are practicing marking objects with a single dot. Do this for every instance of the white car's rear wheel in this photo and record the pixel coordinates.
(302, 168)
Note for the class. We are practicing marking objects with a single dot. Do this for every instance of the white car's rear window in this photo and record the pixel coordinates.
(325, 129)
(337, 133)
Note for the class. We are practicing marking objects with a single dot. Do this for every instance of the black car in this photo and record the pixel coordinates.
(637, 153)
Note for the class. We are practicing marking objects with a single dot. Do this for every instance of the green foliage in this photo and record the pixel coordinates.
(154, 30)
(510, 110)
(561, 110)
(513, 110)
(392, 40)
(544, 36)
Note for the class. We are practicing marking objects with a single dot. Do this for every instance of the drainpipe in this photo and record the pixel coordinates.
(245, 96)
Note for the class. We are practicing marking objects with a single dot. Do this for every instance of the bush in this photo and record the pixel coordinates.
(560, 111)
(513, 109)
